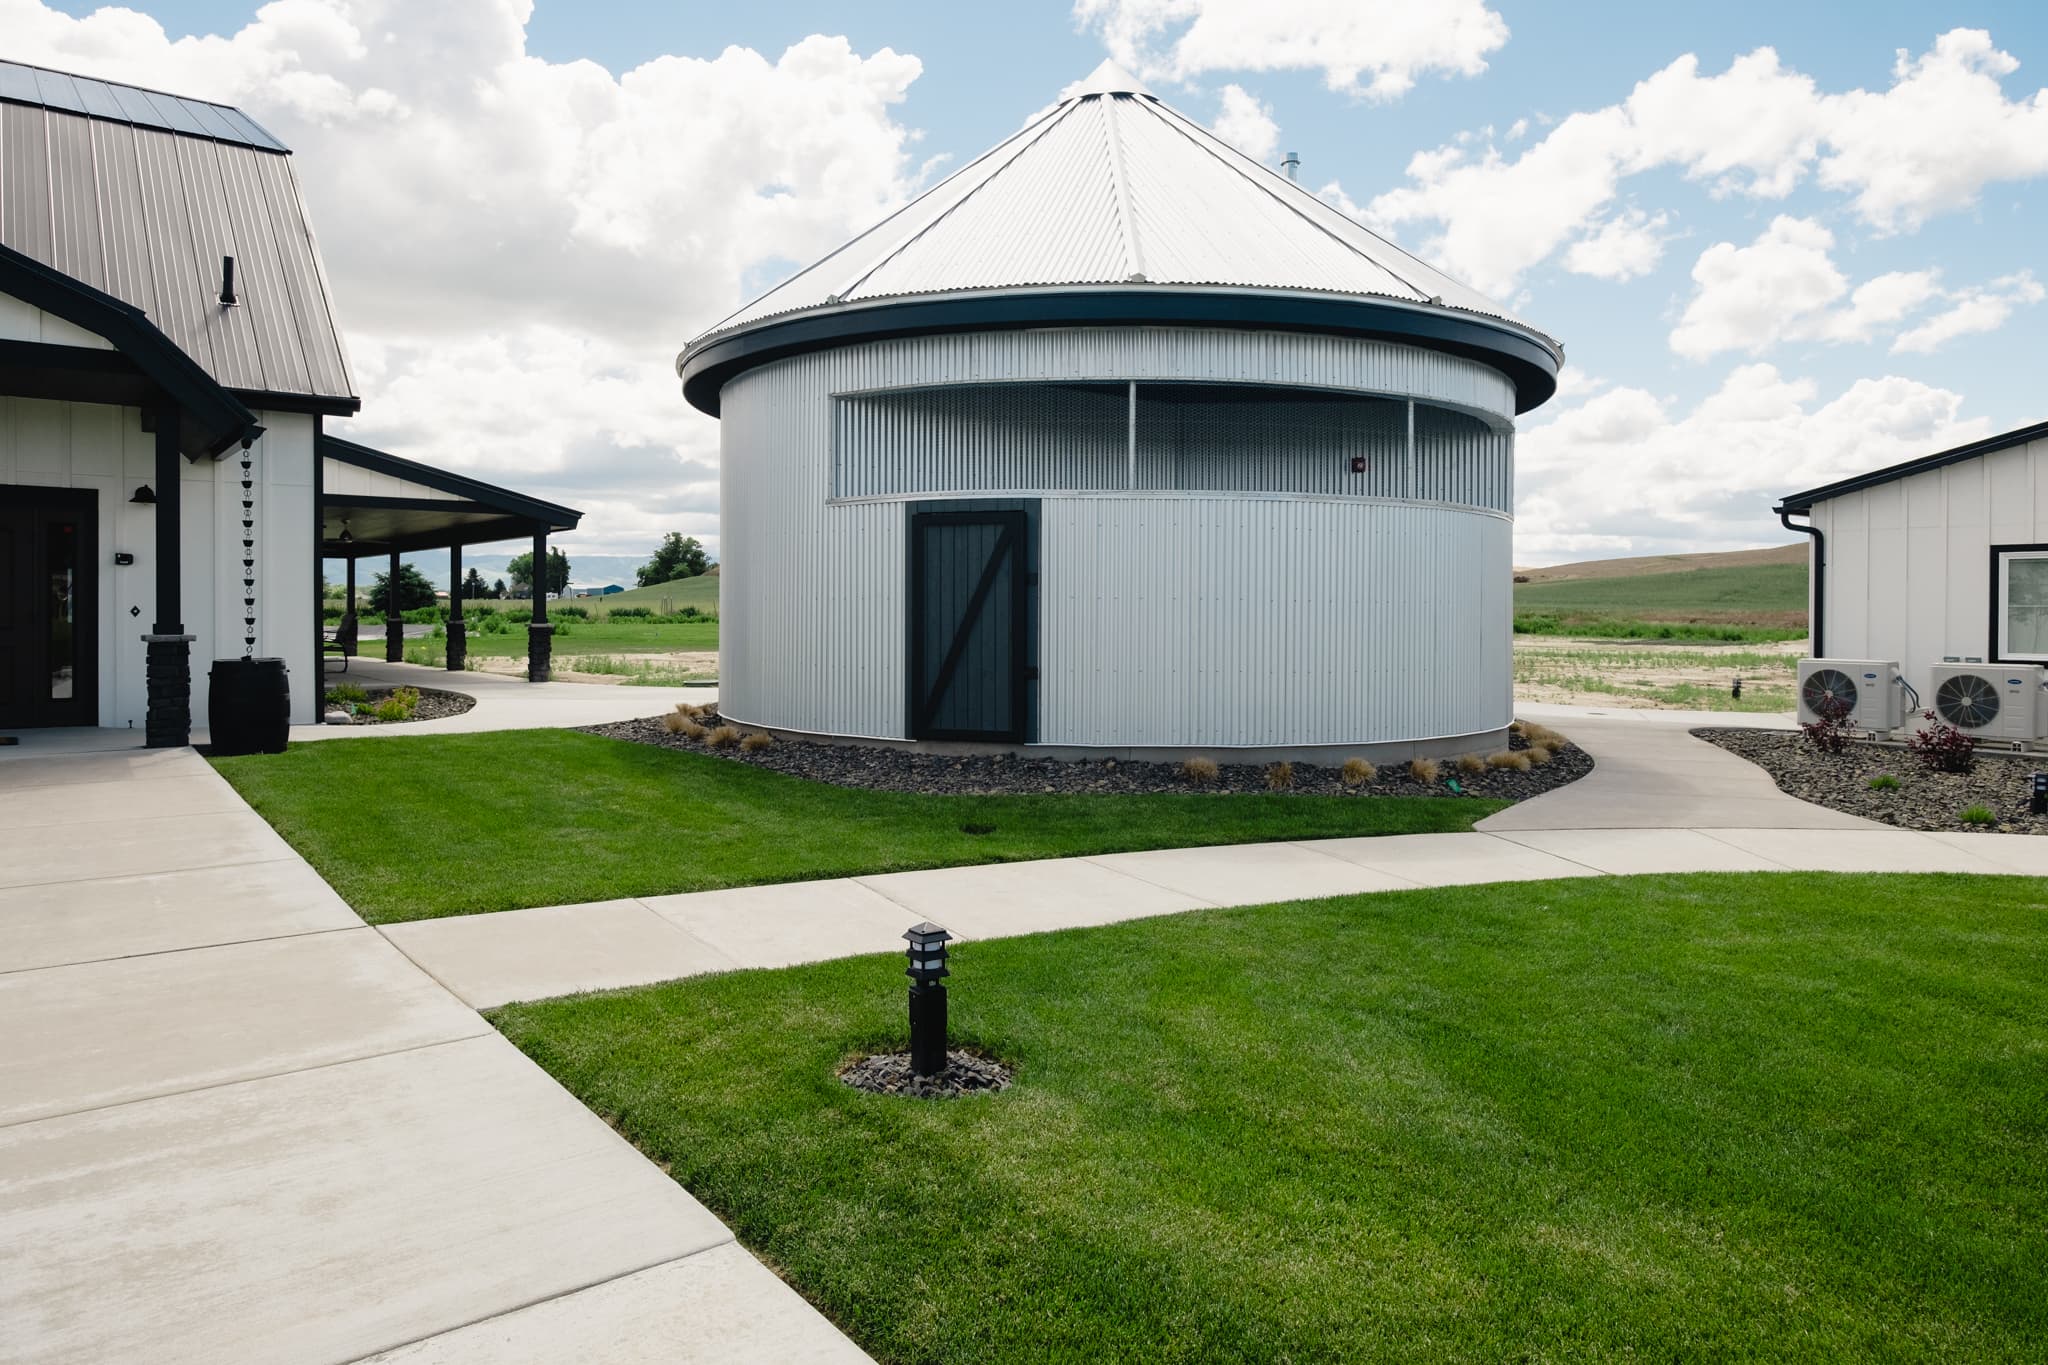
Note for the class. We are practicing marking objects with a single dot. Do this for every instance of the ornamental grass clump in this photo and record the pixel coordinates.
(1539, 754)
(1424, 770)
(1356, 772)
(1471, 763)
(724, 737)
(1280, 776)
(1885, 782)
(674, 722)
(757, 741)
(1978, 815)
(692, 730)
(1198, 771)
(1508, 758)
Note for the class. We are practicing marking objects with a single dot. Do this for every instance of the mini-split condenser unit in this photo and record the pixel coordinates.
(1990, 701)
(1867, 692)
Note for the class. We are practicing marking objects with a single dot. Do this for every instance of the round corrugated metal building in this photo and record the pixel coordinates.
(1118, 441)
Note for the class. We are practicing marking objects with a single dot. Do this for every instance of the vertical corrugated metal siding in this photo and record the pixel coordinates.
(1218, 621)
(979, 437)
(1164, 618)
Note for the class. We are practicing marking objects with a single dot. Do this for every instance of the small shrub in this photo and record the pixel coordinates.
(1979, 815)
(631, 613)
(690, 709)
(1198, 771)
(1471, 763)
(494, 624)
(723, 736)
(1509, 758)
(518, 616)
(573, 613)
(1279, 776)
(674, 722)
(1539, 754)
(1829, 730)
(346, 694)
(1423, 770)
(1942, 747)
(1884, 782)
(391, 708)
(1357, 772)
(692, 730)
(757, 741)
(562, 629)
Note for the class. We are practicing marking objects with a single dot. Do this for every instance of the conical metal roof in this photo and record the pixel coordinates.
(1112, 189)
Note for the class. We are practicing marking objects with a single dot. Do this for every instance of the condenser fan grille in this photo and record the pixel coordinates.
(1966, 701)
(1829, 692)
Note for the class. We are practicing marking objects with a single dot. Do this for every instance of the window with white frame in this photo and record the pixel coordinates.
(2020, 581)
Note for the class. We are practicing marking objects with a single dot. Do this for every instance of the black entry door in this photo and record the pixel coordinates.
(969, 650)
(49, 594)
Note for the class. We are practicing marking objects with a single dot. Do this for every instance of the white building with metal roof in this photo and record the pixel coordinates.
(169, 348)
(1119, 441)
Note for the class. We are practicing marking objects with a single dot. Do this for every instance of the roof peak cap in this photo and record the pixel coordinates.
(1106, 79)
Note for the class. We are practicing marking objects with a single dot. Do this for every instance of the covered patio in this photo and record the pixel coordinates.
(376, 504)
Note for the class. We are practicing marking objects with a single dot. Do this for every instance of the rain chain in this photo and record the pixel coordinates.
(248, 561)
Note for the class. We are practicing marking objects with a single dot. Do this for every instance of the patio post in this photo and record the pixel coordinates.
(394, 619)
(348, 605)
(458, 643)
(539, 633)
(167, 660)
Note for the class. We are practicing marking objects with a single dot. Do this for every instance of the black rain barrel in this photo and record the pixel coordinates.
(248, 706)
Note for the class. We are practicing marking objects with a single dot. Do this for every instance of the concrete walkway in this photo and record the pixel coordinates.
(1658, 800)
(502, 702)
(238, 1125)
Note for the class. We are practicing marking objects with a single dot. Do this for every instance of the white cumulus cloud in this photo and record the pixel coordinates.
(519, 247)
(1375, 48)
(1246, 124)
(1624, 471)
(1984, 309)
(1928, 144)
(1625, 246)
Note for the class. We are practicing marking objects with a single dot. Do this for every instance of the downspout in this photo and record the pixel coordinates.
(1818, 626)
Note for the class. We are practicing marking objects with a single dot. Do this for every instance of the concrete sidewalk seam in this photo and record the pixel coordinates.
(484, 1032)
(185, 948)
(289, 857)
(728, 1240)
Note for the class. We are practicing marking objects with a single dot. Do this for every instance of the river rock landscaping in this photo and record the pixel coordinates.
(877, 768)
(890, 1073)
(1922, 798)
(393, 705)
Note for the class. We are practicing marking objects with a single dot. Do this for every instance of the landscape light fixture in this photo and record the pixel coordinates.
(346, 538)
(144, 495)
(2038, 802)
(927, 970)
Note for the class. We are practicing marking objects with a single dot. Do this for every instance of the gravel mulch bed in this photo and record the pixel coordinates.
(890, 1074)
(1924, 799)
(899, 770)
(434, 704)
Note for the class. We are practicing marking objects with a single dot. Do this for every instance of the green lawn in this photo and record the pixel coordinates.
(1748, 602)
(1735, 1117)
(420, 826)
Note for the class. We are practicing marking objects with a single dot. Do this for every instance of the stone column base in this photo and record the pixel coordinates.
(167, 674)
(539, 650)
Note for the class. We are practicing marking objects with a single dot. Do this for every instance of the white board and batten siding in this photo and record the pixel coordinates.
(104, 449)
(1909, 561)
(1167, 617)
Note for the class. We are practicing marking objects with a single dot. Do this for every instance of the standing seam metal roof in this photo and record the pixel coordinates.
(140, 194)
(1112, 186)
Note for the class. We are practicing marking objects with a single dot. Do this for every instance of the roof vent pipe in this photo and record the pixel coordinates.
(227, 282)
(1291, 164)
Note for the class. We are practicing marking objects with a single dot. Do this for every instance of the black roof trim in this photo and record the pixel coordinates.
(270, 400)
(2019, 436)
(1528, 363)
(40, 87)
(487, 495)
(218, 418)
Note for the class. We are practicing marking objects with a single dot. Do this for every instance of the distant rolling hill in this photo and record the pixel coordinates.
(1751, 593)
(700, 592)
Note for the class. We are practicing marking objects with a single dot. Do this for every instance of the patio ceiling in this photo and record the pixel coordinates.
(385, 503)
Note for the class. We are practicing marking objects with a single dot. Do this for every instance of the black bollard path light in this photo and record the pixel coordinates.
(2037, 799)
(927, 953)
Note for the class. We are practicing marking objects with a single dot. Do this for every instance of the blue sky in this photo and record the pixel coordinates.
(1693, 397)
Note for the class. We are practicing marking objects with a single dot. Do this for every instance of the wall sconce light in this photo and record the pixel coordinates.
(144, 495)
(345, 537)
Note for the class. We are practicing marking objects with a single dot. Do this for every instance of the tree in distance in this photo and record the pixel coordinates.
(498, 588)
(414, 590)
(678, 556)
(520, 571)
(473, 585)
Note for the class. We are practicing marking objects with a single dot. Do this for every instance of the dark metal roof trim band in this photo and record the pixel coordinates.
(473, 490)
(1527, 362)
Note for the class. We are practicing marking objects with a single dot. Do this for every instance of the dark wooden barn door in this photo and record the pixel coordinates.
(49, 594)
(969, 651)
